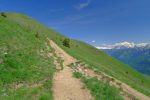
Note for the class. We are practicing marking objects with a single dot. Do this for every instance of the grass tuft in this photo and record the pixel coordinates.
(99, 89)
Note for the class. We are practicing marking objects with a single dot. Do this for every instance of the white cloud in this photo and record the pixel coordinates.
(93, 41)
(103, 47)
(83, 5)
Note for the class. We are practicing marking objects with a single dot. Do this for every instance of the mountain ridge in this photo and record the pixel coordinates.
(138, 58)
(124, 45)
(135, 55)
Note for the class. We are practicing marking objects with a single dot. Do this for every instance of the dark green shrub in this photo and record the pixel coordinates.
(37, 35)
(126, 72)
(66, 42)
(3, 14)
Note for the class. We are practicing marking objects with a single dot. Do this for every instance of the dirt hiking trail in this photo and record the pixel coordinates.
(66, 87)
(128, 92)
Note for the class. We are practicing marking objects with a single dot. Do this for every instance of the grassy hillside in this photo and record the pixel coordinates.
(21, 63)
(101, 61)
(17, 37)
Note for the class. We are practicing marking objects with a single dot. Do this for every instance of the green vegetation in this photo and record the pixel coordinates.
(60, 61)
(100, 90)
(23, 66)
(66, 42)
(105, 63)
(138, 58)
(3, 14)
(19, 60)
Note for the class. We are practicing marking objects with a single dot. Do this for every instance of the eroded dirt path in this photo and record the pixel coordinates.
(66, 87)
(128, 92)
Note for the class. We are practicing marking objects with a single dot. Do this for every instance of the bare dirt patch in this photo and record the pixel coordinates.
(66, 87)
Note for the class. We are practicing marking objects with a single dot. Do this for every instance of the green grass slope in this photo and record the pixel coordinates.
(21, 63)
(18, 32)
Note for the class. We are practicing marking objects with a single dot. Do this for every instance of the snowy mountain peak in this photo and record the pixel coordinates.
(124, 45)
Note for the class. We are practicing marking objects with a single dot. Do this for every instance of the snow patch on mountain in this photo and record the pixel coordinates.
(124, 45)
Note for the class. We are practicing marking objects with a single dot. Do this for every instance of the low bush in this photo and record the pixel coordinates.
(66, 42)
(3, 14)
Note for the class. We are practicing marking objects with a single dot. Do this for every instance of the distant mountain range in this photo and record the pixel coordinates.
(124, 45)
(135, 55)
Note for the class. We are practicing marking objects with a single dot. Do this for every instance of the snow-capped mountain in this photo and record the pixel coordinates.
(138, 58)
(135, 55)
(124, 45)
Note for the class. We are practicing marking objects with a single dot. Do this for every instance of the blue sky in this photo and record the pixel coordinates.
(93, 21)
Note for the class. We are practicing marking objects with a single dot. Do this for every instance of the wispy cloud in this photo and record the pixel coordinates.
(72, 19)
(83, 5)
(93, 41)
